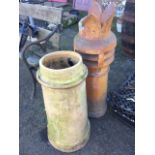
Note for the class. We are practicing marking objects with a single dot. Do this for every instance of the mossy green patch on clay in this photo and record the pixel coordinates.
(57, 129)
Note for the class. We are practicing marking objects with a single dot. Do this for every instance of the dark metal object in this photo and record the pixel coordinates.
(29, 28)
(40, 44)
(128, 29)
(26, 29)
(122, 102)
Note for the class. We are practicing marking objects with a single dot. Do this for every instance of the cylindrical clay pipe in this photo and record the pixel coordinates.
(62, 76)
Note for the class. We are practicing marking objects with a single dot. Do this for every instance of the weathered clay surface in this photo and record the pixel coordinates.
(64, 93)
(96, 43)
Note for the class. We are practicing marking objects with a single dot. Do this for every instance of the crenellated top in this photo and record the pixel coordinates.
(97, 24)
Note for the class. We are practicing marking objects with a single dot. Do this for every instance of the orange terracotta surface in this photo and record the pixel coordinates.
(96, 44)
(97, 92)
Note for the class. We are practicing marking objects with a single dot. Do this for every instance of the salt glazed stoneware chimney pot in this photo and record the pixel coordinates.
(96, 44)
(62, 77)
